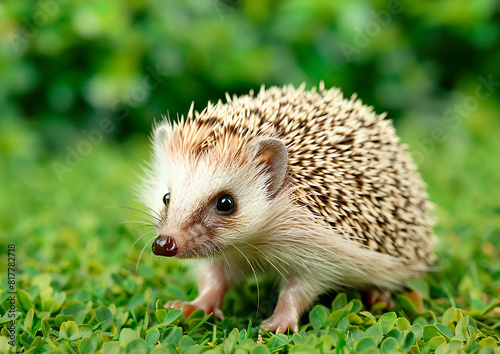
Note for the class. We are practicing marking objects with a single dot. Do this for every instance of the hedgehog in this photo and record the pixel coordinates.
(311, 188)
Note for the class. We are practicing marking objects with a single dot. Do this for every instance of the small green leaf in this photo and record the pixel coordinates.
(389, 345)
(44, 314)
(174, 335)
(59, 299)
(261, 349)
(111, 348)
(78, 310)
(89, 345)
(387, 321)
(325, 343)
(137, 346)
(47, 305)
(247, 344)
(104, 315)
(430, 331)
(335, 317)
(159, 305)
(69, 330)
(396, 334)
(423, 347)
(318, 316)
(471, 331)
(303, 349)
(343, 324)
(278, 341)
(356, 306)
(85, 330)
(45, 328)
(354, 319)
(161, 314)
(36, 345)
(298, 339)
(127, 335)
(444, 330)
(378, 307)
(243, 335)
(231, 341)
(24, 299)
(164, 349)
(365, 343)
(28, 321)
(356, 334)
(4, 332)
(145, 325)
(152, 338)
(418, 330)
(461, 328)
(348, 307)
(403, 324)
(195, 317)
(171, 316)
(449, 316)
(488, 342)
(369, 316)
(456, 344)
(63, 318)
(408, 341)
(340, 301)
(185, 343)
(436, 342)
(375, 332)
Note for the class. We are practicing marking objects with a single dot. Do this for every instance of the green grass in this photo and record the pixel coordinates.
(78, 289)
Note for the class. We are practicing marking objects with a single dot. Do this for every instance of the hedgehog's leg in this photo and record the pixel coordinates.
(374, 295)
(211, 289)
(296, 297)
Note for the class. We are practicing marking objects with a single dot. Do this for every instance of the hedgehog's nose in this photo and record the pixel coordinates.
(165, 246)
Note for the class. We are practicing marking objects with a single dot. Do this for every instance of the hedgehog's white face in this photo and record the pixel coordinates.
(212, 204)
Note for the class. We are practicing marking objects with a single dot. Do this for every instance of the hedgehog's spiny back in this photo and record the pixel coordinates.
(346, 160)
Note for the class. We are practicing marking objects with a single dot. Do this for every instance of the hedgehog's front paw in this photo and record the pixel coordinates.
(280, 322)
(188, 307)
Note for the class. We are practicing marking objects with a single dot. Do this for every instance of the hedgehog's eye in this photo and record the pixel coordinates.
(225, 204)
(166, 199)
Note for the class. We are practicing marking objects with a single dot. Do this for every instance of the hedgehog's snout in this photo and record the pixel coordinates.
(165, 246)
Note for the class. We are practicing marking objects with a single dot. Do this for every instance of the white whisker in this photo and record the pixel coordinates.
(255, 276)
(140, 255)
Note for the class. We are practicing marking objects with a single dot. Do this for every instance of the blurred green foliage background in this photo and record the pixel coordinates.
(66, 65)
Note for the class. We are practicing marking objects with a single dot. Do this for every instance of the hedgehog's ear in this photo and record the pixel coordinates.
(158, 138)
(272, 153)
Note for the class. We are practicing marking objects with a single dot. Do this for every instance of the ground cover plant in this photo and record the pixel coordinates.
(80, 85)
(83, 287)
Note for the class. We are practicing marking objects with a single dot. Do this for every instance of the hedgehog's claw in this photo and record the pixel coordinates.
(280, 323)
